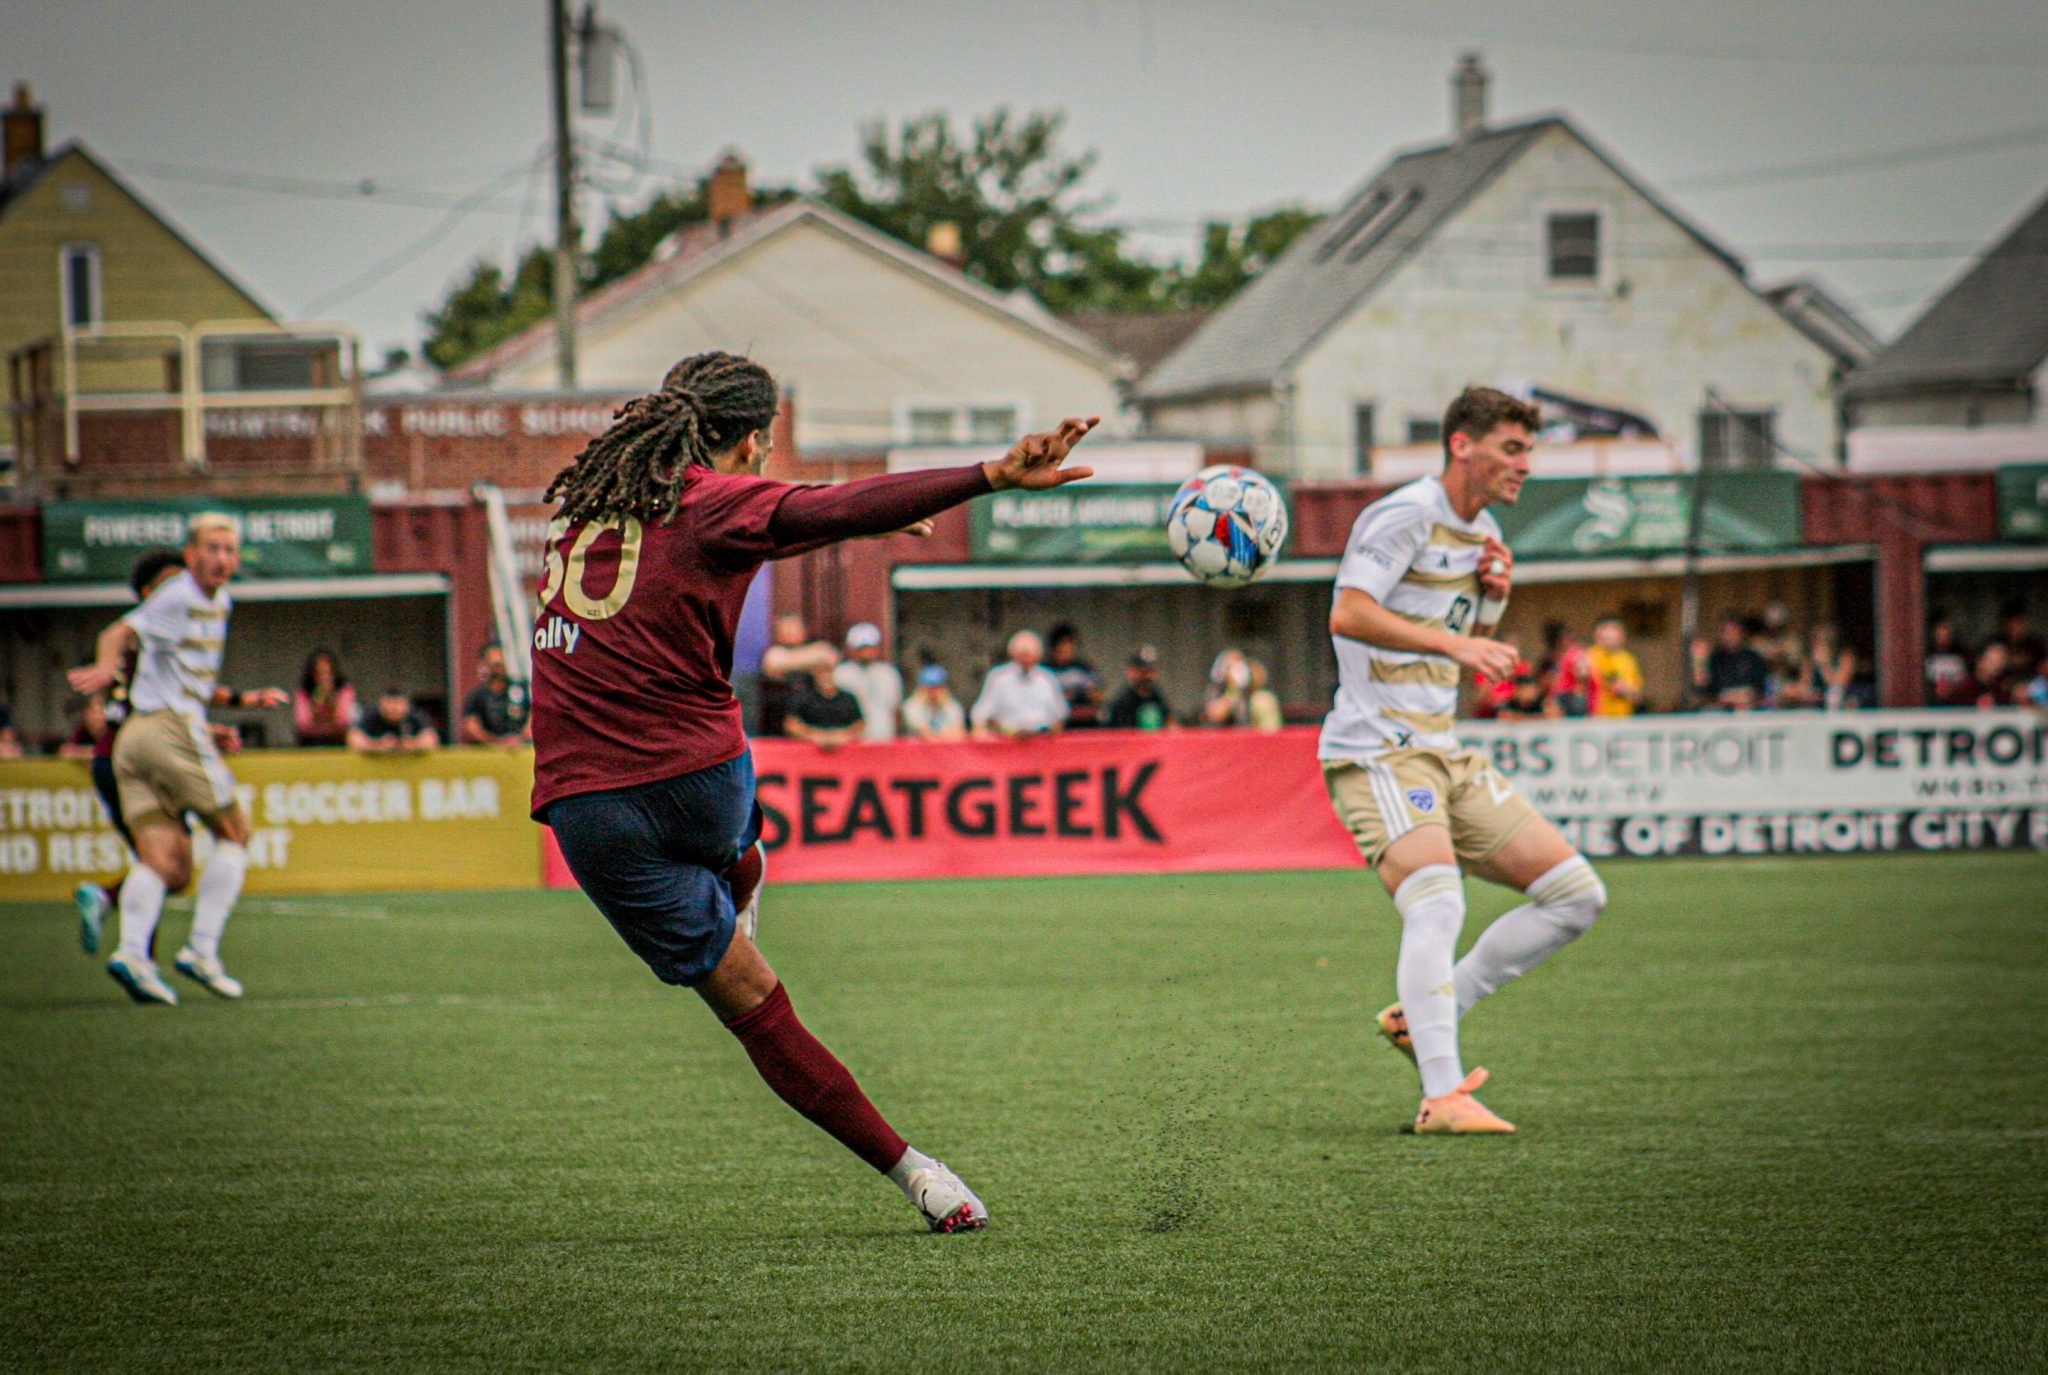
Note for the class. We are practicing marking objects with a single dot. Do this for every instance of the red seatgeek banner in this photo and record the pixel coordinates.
(1089, 802)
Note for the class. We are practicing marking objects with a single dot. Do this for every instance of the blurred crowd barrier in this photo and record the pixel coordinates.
(1110, 802)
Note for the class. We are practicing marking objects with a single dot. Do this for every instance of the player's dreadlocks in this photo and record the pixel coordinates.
(637, 467)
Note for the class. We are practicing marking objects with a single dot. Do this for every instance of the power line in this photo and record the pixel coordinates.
(1858, 162)
(365, 189)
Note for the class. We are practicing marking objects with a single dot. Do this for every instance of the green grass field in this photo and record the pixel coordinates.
(1775, 1115)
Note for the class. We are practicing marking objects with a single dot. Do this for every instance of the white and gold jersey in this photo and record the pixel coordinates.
(1415, 556)
(184, 637)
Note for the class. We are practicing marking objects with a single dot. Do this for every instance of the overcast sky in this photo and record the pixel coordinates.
(1196, 107)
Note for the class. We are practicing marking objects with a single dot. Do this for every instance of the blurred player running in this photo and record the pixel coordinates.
(1423, 581)
(640, 764)
(166, 763)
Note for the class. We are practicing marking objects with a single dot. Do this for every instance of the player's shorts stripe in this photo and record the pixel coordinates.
(1442, 582)
(1427, 722)
(1388, 791)
(1431, 672)
(1453, 537)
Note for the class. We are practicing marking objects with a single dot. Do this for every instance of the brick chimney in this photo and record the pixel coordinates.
(1468, 98)
(21, 131)
(729, 194)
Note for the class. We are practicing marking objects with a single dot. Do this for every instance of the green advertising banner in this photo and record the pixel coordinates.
(282, 537)
(2023, 502)
(1560, 518)
(1089, 522)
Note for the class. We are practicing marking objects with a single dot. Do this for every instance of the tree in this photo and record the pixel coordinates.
(1232, 256)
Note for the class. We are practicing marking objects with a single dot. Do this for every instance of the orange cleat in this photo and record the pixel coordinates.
(1394, 1026)
(1458, 1113)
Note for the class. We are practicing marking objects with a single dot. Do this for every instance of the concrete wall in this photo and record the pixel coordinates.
(853, 333)
(1665, 321)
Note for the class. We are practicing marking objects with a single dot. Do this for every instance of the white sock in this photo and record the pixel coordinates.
(1562, 905)
(1431, 902)
(219, 886)
(913, 1159)
(142, 902)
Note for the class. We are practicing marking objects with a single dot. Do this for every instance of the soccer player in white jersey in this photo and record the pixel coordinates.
(1423, 582)
(166, 764)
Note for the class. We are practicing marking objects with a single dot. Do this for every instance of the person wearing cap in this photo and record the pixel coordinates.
(872, 680)
(933, 712)
(1141, 705)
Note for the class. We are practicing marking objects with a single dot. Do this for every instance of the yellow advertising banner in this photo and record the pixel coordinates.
(325, 821)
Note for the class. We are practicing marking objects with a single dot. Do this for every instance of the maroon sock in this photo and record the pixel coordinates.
(745, 876)
(810, 1079)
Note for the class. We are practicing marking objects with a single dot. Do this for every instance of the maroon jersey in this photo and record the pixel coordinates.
(633, 634)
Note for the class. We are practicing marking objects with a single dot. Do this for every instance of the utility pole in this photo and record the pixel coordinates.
(565, 198)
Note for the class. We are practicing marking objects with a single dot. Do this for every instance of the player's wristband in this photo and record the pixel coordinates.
(1491, 609)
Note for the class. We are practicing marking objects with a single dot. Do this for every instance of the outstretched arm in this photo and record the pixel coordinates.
(105, 670)
(811, 516)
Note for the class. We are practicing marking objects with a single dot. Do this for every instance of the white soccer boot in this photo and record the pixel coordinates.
(947, 1203)
(141, 979)
(92, 915)
(207, 973)
(748, 918)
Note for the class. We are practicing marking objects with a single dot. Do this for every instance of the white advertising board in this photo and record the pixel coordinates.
(1783, 782)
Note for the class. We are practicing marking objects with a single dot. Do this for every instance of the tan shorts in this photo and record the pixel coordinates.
(1384, 800)
(165, 765)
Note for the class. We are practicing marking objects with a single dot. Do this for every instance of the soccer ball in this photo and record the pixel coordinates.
(1226, 525)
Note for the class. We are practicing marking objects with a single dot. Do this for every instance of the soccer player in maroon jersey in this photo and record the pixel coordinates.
(640, 764)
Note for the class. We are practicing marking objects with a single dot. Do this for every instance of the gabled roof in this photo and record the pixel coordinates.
(1256, 340)
(1990, 328)
(692, 252)
(1144, 337)
(28, 175)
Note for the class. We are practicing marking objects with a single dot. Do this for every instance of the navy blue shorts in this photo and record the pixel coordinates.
(653, 857)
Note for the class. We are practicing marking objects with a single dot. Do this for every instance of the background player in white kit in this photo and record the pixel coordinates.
(1424, 578)
(166, 763)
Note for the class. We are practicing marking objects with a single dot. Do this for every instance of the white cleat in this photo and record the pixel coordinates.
(141, 979)
(748, 918)
(92, 915)
(947, 1203)
(207, 973)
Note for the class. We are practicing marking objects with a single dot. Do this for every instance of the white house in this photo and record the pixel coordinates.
(881, 344)
(1524, 256)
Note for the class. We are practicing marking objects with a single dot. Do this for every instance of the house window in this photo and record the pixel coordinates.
(1574, 242)
(931, 425)
(942, 422)
(1737, 439)
(80, 265)
(1429, 431)
(1361, 440)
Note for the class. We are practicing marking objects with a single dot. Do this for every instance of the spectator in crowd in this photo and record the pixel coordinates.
(497, 710)
(1077, 677)
(2023, 648)
(1849, 686)
(932, 712)
(1230, 682)
(1141, 705)
(1617, 677)
(324, 707)
(2035, 693)
(1947, 667)
(1778, 642)
(83, 742)
(824, 713)
(1806, 684)
(791, 657)
(1567, 671)
(872, 680)
(1489, 695)
(395, 727)
(1526, 699)
(1993, 680)
(1263, 701)
(10, 738)
(1731, 676)
(1020, 697)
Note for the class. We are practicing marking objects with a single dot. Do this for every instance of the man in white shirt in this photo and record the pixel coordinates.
(1424, 580)
(166, 764)
(1020, 697)
(872, 680)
